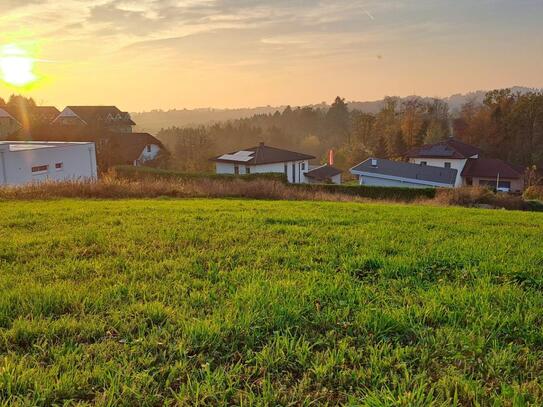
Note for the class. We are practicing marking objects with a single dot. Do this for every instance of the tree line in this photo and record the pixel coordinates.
(506, 125)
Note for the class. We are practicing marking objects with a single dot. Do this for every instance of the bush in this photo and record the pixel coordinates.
(465, 196)
(478, 196)
(534, 193)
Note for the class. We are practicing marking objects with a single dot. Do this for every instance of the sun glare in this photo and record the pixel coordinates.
(16, 66)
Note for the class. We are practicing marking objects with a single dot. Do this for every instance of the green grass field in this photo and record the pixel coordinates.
(214, 302)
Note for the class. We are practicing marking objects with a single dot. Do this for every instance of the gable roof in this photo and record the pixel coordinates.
(100, 114)
(33, 115)
(4, 113)
(131, 145)
(262, 154)
(323, 173)
(415, 172)
(450, 148)
(490, 168)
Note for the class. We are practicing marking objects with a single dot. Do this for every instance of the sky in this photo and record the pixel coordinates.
(164, 54)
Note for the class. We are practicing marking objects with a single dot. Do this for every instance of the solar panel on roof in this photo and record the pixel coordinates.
(242, 156)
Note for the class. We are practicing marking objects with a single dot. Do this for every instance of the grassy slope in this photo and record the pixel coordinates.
(215, 301)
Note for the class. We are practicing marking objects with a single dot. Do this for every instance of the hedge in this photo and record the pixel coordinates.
(385, 193)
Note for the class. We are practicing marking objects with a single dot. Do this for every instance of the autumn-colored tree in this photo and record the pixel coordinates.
(412, 121)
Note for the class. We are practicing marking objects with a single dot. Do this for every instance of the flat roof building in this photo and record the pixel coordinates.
(24, 162)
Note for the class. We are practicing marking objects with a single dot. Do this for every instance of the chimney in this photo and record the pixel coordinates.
(261, 144)
(374, 162)
(331, 158)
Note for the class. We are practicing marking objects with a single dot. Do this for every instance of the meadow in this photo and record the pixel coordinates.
(253, 302)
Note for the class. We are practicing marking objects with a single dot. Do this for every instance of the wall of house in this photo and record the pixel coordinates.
(456, 164)
(517, 185)
(294, 176)
(335, 180)
(148, 155)
(8, 127)
(383, 182)
(78, 162)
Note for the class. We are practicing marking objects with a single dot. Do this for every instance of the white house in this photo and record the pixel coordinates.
(265, 159)
(471, 168)
(387, 173)
(24, 162)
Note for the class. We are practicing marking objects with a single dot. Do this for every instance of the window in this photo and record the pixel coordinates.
(236, 169)
(303, 166)
(39, 169)
(149, 148)
(447, 165)
(423, 163)
(492, 184)
(504, 184)
(286, 170)
(247, 170)
(59, 166)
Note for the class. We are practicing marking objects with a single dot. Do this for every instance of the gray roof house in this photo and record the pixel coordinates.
(379, 172)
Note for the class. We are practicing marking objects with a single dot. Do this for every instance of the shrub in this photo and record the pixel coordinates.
(476, 196)
(465, 196)
(534, 192)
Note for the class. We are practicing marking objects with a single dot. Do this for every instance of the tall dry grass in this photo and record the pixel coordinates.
(114, 188)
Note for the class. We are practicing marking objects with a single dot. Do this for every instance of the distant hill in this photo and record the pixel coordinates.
(154, 120)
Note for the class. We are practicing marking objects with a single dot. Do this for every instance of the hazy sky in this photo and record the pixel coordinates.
(231, 53)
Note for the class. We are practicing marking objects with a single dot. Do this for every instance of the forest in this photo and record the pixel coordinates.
(506, 125)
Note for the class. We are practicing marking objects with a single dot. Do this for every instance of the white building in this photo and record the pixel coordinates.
(387, 173)
(264, 159)
(447, 164)
(24, 162)
(471, 169)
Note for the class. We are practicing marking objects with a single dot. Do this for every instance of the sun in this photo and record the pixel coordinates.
(16, 66)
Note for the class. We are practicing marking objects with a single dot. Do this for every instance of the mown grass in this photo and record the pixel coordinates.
(240, 302)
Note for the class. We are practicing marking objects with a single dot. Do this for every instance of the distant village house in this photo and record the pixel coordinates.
(264, 159)
(450, 163)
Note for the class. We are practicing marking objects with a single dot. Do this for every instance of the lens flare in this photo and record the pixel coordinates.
(16, 66)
